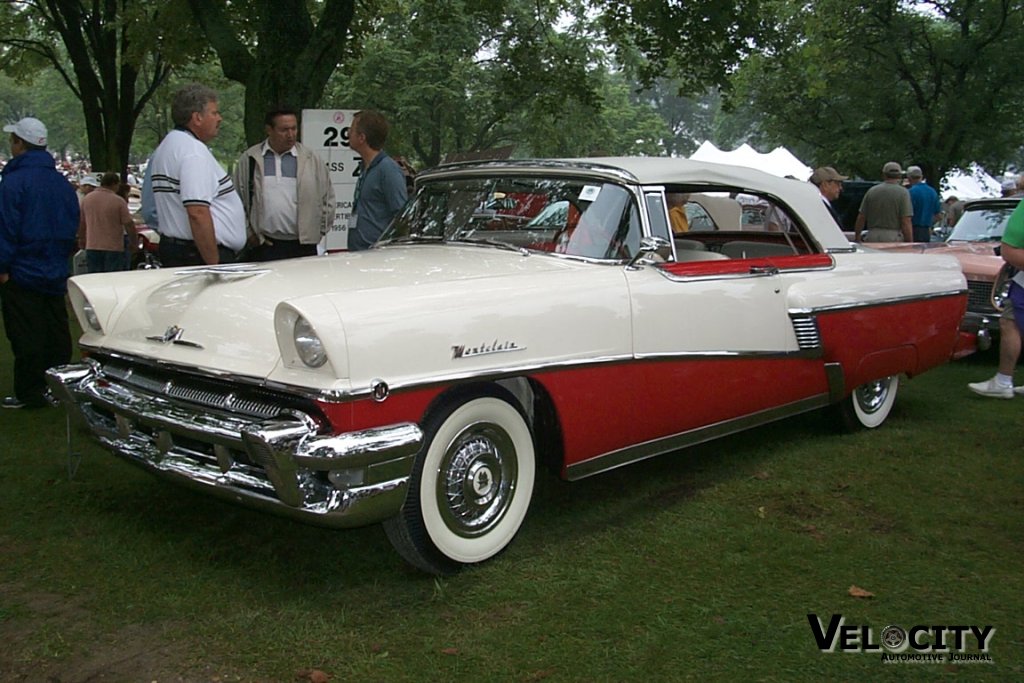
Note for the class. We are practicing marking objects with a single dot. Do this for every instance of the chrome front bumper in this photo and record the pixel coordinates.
(279, 465)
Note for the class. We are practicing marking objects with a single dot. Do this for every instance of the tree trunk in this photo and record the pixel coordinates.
(97, 44)
(293, 57)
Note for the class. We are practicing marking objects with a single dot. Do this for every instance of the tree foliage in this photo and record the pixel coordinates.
(931, 83)
(282, 51)
(697, 43)
(465, 76)
(108, 52)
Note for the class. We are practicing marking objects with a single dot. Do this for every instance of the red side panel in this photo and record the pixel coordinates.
(744, 265)
(610, 407)
(875, 341)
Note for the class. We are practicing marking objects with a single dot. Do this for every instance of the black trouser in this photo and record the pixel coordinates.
(37, 327)
(177, 252)
(922, 233)
(275, 250)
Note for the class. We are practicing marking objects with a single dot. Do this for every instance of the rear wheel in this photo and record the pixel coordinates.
(869, 405)
(471, 485)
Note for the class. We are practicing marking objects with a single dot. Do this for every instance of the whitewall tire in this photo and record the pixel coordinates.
(471, 486)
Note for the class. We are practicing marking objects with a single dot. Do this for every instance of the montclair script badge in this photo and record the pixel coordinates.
(462, 351)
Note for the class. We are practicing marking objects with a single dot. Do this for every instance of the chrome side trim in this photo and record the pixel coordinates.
(650, 449)
(808, 336)
(877, 302)
(758, 355)
(475, 375)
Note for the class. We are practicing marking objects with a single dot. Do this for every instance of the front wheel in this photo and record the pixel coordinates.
(869, 405)
(471, 485)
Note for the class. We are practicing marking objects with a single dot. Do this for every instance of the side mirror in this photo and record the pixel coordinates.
(649, 248)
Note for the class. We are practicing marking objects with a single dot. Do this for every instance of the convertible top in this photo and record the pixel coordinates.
(802, 197)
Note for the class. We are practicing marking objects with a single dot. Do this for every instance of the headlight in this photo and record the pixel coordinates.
(91, 318)
(308, 345)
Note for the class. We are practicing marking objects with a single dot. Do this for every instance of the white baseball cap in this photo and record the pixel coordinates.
(89, 180)
(30, 130)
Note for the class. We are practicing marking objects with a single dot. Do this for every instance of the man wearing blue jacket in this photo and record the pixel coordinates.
(38, 227)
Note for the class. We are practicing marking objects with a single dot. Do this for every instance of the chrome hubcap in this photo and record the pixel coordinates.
(871, 396)
(476, 480)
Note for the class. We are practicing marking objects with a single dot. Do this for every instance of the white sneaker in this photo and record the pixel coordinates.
(992, 389)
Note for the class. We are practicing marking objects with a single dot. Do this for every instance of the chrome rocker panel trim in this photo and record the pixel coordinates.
(279, 465)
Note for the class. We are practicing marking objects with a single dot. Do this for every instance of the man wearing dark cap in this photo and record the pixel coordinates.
(38, 225)
(925, 201)
(886, 209)
(830, 186)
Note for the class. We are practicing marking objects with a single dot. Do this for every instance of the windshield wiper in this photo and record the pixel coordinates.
(414, 239)
(493, 243)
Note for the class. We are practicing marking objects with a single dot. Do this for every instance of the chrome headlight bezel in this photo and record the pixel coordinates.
(308, 345)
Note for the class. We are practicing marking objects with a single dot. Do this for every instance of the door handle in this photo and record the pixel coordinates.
(764, 270)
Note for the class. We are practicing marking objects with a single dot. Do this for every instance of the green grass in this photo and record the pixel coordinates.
(701, 565)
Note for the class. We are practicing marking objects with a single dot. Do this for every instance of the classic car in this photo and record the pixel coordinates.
(973, 243)
(425, 382)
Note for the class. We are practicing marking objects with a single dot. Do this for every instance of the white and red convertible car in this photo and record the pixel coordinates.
(423, 383)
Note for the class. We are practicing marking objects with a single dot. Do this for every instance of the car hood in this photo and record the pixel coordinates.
(221, 320)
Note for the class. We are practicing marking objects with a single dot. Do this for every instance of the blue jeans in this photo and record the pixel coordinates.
(104, 261)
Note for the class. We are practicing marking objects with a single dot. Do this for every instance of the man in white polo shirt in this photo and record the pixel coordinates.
(200, 214)
(286, 191)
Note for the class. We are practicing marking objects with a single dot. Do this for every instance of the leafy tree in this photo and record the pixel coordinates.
(110, 53)
(155, 120)
(458, 75)
(931, 83)
(697, 43)
(282, 51)
(47, 98)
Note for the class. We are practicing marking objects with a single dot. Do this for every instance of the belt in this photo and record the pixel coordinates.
(177, 241)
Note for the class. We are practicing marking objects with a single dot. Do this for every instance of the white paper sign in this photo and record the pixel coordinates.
(325, 131)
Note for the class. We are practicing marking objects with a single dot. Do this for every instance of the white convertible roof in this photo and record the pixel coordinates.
(802, 197)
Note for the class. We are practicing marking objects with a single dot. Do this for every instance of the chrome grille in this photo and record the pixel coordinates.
(200, 392)
(807, 334)
(979, 296)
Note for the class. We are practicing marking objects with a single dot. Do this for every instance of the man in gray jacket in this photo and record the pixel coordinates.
(286, 191)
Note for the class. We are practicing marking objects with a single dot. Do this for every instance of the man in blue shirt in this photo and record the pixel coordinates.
(38, 229)
(925, 201)
(380, 191)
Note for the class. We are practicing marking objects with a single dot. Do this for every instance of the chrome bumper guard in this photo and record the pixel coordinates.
(278, 465)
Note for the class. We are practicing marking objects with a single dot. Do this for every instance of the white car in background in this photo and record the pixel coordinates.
(424, 383)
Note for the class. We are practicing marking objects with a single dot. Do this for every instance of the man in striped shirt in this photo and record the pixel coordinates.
(200, 215)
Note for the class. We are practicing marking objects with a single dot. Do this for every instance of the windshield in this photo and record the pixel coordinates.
(560, 215)
(983, 224)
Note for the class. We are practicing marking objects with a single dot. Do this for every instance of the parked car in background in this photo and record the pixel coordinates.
(973, 243)
(425, 382)
(847, 205)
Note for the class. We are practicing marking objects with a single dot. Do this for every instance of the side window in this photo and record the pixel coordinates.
(700, 220)
(609, 228)
(657, 211)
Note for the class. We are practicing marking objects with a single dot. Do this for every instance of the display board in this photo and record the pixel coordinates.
(326, 132)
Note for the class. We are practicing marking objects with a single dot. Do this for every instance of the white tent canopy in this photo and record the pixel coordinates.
(970, 184)
(780, 161)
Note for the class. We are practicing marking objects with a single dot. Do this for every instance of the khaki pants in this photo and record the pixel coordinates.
(883, 235)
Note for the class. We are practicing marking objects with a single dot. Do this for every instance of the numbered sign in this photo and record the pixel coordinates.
(326, 132)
